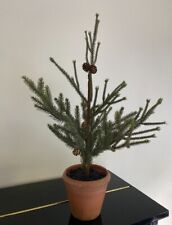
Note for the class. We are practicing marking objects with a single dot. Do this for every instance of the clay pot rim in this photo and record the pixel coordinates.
(89, 183)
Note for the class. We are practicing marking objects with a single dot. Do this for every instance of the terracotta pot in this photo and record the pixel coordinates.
(86, 197)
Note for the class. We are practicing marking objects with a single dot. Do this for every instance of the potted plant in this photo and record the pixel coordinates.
(89, 132)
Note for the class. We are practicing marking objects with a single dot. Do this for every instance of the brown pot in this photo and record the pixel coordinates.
(86, 197)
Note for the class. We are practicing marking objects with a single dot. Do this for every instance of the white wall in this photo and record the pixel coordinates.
(136, 38)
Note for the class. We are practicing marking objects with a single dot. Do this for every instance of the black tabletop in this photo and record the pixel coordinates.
(45, 203)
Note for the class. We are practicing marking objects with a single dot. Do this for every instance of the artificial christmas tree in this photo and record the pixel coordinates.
(94, 133)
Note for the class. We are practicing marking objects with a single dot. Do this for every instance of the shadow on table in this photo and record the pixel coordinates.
(74, 221)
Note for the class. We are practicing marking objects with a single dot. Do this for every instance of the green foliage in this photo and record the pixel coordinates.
(88, 127)
(106, 134)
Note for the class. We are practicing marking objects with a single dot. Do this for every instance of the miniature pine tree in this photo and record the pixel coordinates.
(88, 131)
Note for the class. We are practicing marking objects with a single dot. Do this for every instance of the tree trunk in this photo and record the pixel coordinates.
(86, 161)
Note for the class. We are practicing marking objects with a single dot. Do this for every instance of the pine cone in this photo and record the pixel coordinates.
(84, 125)
(86, 67)
(93, 69)
(76, 151)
